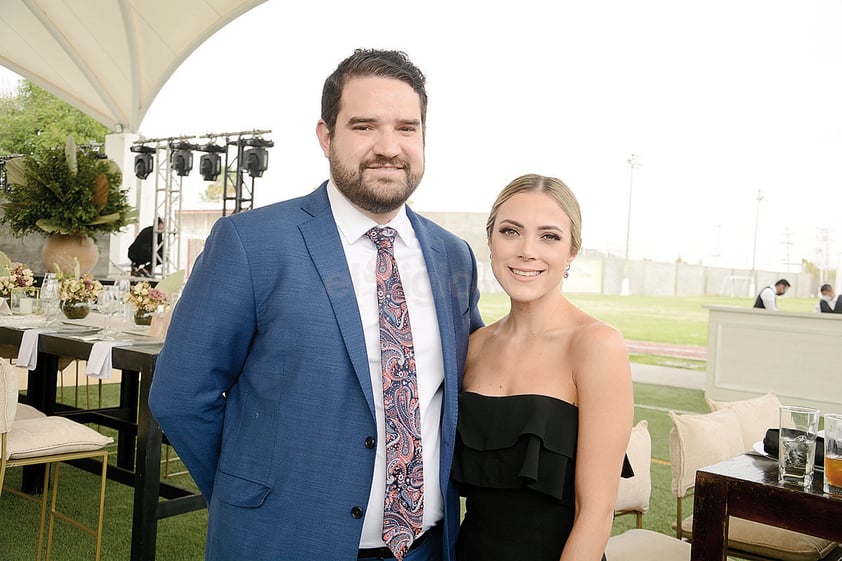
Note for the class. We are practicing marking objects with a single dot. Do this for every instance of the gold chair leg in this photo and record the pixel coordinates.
(44, 495)
(53, 496)
(101, 507)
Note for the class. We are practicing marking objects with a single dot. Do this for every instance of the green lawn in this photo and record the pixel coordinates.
(181, 538)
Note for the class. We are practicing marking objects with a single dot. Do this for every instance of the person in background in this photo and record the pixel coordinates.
(829, 303)
(546, 407)
(309, 378)
(142, 248)
(767, 298)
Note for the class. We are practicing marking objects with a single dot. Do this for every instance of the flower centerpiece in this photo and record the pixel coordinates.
(76, 293)
(69, 194)
(146, 301)
(18, 276)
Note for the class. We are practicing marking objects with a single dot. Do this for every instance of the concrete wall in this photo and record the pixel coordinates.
(28, 250)
(591, 272)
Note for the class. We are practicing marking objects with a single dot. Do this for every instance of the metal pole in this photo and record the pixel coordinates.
(754, 250)
(633, 163)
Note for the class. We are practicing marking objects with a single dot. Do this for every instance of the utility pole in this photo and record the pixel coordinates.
(760, 198)
(633, 164)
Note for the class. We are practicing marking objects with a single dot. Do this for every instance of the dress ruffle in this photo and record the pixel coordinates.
(518, 441)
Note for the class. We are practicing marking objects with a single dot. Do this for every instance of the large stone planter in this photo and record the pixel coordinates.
(60, 249)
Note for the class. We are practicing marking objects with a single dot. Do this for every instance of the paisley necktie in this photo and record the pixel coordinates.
(404, 506)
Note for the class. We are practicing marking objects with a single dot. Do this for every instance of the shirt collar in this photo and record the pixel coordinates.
(353, 224)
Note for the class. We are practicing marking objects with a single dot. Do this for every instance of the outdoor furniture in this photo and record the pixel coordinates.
(638, 544)
(746, 487)
(139, 438)
(701, 440)
(27, 439)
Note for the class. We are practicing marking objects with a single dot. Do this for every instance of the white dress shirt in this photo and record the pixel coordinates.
(361, 255)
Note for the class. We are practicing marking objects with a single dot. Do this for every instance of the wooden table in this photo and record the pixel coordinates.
(747, 487)
(139, 438)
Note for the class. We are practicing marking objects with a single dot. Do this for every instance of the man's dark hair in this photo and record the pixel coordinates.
(783, 282)
(371, 62)
(825, 287)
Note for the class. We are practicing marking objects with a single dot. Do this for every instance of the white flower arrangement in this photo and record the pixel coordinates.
(143, 297)
(18, 276)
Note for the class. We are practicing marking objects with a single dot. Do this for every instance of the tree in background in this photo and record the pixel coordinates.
(213, 192)
(32, 119)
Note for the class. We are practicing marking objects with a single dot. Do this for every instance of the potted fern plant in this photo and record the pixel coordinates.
(69, 195)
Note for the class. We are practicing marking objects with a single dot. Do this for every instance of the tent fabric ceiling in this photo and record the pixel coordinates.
(109, 58)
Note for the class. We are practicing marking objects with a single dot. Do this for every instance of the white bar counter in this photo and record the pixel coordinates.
(796, 355)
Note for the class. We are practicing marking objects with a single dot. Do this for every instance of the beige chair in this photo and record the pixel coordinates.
(633, 495)
(172, 283)
(5, 264)
(701, 440)
(28, 437)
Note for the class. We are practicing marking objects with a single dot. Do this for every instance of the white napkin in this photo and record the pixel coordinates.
(28, 351)
(99, 361)
(4, 308)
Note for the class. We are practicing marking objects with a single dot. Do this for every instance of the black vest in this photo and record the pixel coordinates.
(836, 309)
(758, 303)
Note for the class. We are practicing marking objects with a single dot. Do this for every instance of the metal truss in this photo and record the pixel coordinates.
(169, 177)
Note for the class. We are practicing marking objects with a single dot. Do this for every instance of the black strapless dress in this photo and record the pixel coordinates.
(515, 462)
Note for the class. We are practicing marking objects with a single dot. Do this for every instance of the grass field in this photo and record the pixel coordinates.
(181, 538)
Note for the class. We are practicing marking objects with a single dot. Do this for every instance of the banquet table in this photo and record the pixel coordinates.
(139, 437)
(747, 487)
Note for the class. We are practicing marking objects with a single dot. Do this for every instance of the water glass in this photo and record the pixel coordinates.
(799, 427)
(109, 302)
(49, 300)
(833, 454)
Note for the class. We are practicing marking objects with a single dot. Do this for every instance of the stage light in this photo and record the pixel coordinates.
(143, 161)
(256, 160)
(181, 159)
(210, 164)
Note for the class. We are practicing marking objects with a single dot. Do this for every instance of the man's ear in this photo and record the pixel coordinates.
(323, 134)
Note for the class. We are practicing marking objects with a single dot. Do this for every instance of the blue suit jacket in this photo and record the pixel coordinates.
(263, 383)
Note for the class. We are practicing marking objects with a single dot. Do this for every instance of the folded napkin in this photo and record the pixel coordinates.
(28, 351)
(4, 308)
(99, 361)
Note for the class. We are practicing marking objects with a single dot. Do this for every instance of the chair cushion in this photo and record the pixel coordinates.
(697, 441)
(48, 436)
(28, 412)
(756, 415)
(768, 541)
(633, 493)
(646, 545)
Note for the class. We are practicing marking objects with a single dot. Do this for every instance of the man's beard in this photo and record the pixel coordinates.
(377, 196)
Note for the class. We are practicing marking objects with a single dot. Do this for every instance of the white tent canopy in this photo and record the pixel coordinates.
(109, 58)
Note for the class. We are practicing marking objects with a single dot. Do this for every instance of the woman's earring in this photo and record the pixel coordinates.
(567, 271)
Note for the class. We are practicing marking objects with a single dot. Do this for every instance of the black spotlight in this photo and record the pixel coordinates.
(143, 162)
(181, 158)
(210, 164)
(256, 160)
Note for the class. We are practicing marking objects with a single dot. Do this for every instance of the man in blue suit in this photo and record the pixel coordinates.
(269, 383)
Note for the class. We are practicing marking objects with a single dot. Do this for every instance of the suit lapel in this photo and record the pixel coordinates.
(321, 238)
(438, 268)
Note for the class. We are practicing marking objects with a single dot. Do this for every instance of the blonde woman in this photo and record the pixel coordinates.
(546, 407)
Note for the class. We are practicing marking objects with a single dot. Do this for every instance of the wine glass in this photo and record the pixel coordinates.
(124, 284)
(50, 300)
(109, 303)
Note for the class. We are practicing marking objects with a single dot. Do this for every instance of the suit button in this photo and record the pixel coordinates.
(357, 512)
(369, 442)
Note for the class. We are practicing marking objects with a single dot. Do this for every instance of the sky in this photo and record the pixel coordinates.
(733, 109)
